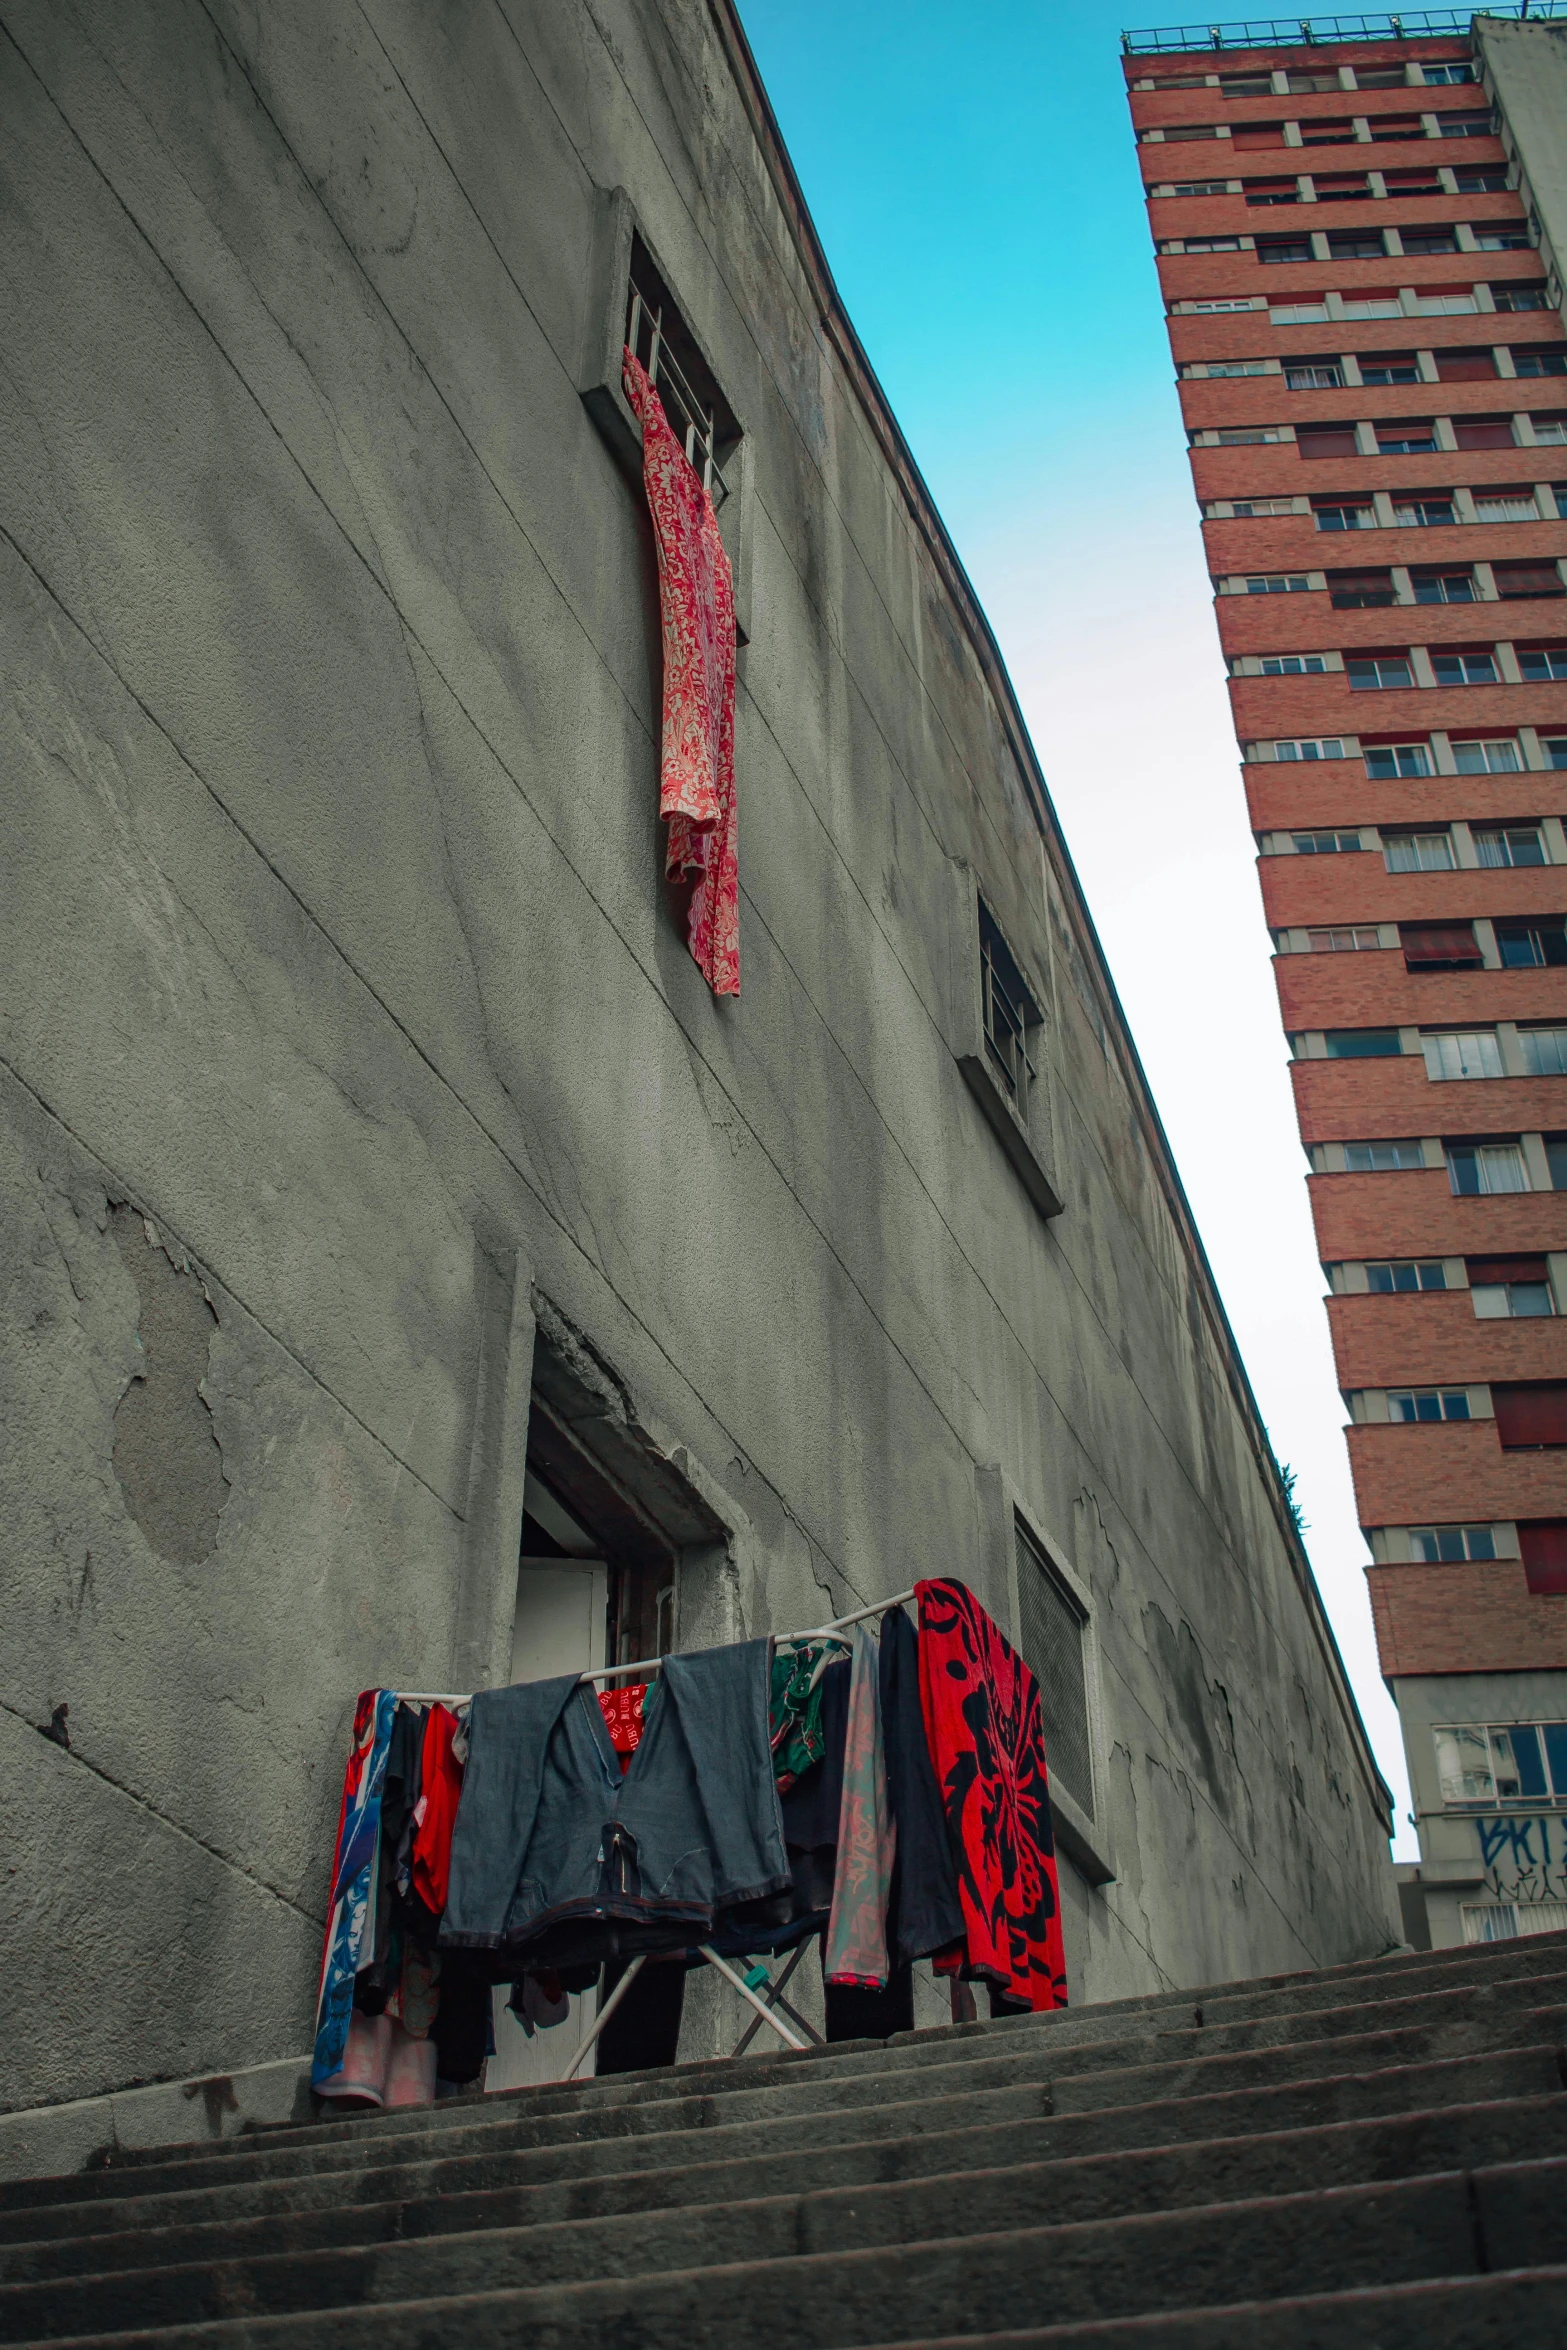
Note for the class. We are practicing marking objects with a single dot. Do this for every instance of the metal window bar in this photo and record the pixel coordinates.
(690, 417)
(1007, 1009)
(1301, 32)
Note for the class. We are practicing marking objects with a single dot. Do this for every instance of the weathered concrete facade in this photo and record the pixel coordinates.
(350, 1043)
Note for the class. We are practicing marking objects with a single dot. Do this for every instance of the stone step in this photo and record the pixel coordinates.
(1522, 2309)
(1467, 2021)
(1451, 2224)
(913, 2139)
(800, 2205)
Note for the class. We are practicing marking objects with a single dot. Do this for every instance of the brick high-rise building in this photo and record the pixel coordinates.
(1361, 246)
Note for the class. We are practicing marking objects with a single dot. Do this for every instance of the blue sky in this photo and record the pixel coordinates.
(974, 182)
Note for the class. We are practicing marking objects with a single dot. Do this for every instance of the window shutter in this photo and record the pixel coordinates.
(1326, 440)
(1483, 432)
(1485, 1271)
(1543, 1543)
(1052, 1626)
(1530, 1417)
(1526, 579)
(1438, 942)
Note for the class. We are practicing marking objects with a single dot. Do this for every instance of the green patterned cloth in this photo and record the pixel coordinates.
(794, 1710)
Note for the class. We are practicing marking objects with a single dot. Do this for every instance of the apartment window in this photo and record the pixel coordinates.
(1418, 852)
(1556, 1160)
(1464, 668)
(1423, 513)
(1201, 245)
(1176, 133)
(1532, 946)
(1219, 302)
(1500, 236)
(1355, 244)
(1447, 1543)
(1239, 436)
(1510, 1289)
(1293, 665)
(1252, 138)
(1520, 582)
(1363, 1044)
(1372, 306)
(1325, 844)
(1499, 757)
(1481, 179)
(1379, 77)
(1428, 1403)
(1548, 429)
(1271, 249)
(1538, 359)
(1443, 587)
(1327, 440)
(1555, 749)
(1378, 672)
(1524, 297)
(1425, 241)
(1386, 760)
(1531, 1417)
(1511, 844)
(697, 411)
(1434, 74)
(1201, 188)
(1311, 312)
(1340, 517)
(1505, 506)
(1313, 375)
(1272, 192)
(1544, 1051)
(1439, 946)
(1244, 506)
(1010, 1013)
(1381, 368)
(1382, 1158)
(1352, 940)
(1246, 85)
(1450, 302)
(1302, 84)
(1462, 1053)
(1229, 367)
(1542, 662)
(1329, 130)
(1412, 436)
(1465, 367)
(1465, 126)
(1477, 1763)
(1053, 1630)
(1321, 746)
(1361, 591)
(1483, 432)
(1559, 492)
(1405, 1274)
(1484, 1170)
(1276, 583)
(1413, 183)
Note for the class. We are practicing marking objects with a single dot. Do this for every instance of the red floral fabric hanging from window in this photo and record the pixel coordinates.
(697, 775)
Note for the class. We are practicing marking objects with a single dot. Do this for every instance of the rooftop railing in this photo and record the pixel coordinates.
(1316, 32)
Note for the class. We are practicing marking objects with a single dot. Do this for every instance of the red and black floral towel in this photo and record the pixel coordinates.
(981, 1706)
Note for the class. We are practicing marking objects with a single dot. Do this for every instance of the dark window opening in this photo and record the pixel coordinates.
(1314, 375)
(577, 1514)
(1444, 587)
(1349, 244)
(1052, 1630)
(1387, 127)
(1464, 367)
(1416, 241)
(1379, 368)
(1360, 591)
(1531, 946)
(1520, 297)
(1515, 581)
(698, 413)
(1010, 1012)
(1363, 1044)
(1540, 359)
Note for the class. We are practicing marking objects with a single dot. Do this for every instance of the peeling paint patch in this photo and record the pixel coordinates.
(166, 1453)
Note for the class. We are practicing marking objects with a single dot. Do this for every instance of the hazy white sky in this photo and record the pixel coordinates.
(973, 179)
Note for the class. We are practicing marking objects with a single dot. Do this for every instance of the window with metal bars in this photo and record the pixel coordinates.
(696, 408)
(1053, 1631)
(1010, 1012)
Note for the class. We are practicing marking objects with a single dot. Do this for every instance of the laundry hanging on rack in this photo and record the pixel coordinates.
(856, 1947)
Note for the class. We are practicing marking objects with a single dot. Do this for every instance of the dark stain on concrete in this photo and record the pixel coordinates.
(166, 1452)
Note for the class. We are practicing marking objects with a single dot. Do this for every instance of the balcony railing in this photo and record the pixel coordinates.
(1313, 32)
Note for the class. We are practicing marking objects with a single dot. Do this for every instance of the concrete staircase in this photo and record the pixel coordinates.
(1365, 2158)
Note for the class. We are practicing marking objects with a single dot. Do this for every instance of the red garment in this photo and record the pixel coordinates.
(440, 1785)
(981, 1707)
(697, 780)
(622, 1711)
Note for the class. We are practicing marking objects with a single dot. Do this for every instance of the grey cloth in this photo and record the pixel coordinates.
(548, 1832)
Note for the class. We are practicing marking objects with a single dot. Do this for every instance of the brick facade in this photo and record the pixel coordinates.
(1479, 1618)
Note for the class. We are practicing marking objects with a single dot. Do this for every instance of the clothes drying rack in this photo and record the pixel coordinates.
(748, 1987)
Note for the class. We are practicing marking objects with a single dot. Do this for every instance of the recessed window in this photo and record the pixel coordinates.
(1177, 133)
(1504, 506)
(1316, 441)
(1444, 587)
(1531, 1416)
(1524, 297)
(1511, 844)
(1211, 367)
(1424, 241)
(1324, 844)
(1523, 1762)
(1424, 182)
(1500, 756)
(1372, 306)
(1411, 436)
(1556, 1160)
(1455, 302)
(1341, 187)
(1447, 1543)
(1428, 1403)
(1542, 662)
(1355, 244)
(1328, 130)
(1303, 84)
(1423, 513)
(1218, 302)
(1439, 946)
(1378, 672)
(1502, 236)
(1418, 852)
(1462, 1053)
(1538, 359)
(1484, 1170)
(1383, 1158)
(1010, 1013)
(1271, 249)
(1544, 1051)
(1555, 750)
(698, 413)
(1465, 126)
(1361, 591)
(1433, 74)
(1321, 746)
(1241, 436)
(1246, 85)
(1484, 432)
(1465, 367)
(1345, 517)
(1244, 506)
(1308, 313)
(1464, 668)
(1362, 1044)
(1053, 1633)
(1530, 946)
(1353, 939)
(1276, 583)
(1379, 77)
(1313, 375)
(1379, 368)
(1481, 179)
(1293, 665)
(1509, 1289)
(1202, 245)
(1549, 428)
(1404, 1274)
(1520, 582)
(1386, 760)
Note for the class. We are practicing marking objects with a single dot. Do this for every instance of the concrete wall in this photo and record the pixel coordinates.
(345, 1015)
(1524, 67)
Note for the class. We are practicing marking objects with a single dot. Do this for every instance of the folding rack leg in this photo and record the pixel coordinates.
(606, 2011)
(747, 1994)
(774, 1996)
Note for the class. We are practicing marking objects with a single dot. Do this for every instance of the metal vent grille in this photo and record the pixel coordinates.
(1051, 1623)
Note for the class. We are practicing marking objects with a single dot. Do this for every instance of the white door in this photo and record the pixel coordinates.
(560, 1627)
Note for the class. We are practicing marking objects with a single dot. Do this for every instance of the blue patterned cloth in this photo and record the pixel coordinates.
(353, 1880)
